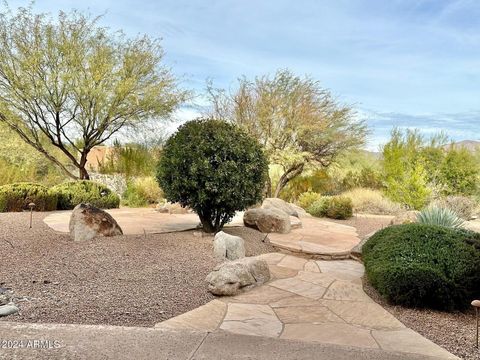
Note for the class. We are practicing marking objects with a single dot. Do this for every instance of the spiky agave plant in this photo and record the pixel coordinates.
(434, 215)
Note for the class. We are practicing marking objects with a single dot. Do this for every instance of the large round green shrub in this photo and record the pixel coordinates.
(16, 197)
(72, 193)
(421, 265)
(214, 168)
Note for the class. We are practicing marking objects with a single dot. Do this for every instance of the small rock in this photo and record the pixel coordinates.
(9, 309)
(4, 299)
(407, 217)
(171, 208)
(227, 246)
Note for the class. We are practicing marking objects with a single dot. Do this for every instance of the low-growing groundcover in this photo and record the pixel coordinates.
(72, 193)
(17, 197)
(214, 168)
(419, 265)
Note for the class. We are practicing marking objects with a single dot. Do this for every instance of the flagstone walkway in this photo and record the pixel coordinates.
(313, 301)
(310, 236)
(318, 238)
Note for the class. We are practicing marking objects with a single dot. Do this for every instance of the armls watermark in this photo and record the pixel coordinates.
(29, 344)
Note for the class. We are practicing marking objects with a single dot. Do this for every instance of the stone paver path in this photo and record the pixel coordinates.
(312, 236)
(314, 301)
(318, 237)
(134, 221)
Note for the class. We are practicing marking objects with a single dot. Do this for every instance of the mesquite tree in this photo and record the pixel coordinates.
(75, 84)
(299, 123)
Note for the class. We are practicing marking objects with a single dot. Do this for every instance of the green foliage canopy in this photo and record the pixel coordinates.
(300, 124)
(214, 168)
(77, 84)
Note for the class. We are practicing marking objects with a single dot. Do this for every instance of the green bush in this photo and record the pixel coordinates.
(16, 197)
(319, 207)
(214, 168)
(72, 193)
(334, 207)
(439, 216)
(306, 199)
(142, 191)
(424, 265)
(340, 207)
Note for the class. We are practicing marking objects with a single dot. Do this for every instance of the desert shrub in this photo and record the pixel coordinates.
(16, 197)
(439, 216)
(319, 207)
(340, 207)
(72, 193)
(334, 207)
(306, 199)
(463, 206)
(459, 172)
(365, 178)
(421, 265)
(142, 191)
(131, 160)
(214, 168)
(372, 202)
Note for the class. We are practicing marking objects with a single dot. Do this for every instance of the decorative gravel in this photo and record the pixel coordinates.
(453, 331)
(133, 280)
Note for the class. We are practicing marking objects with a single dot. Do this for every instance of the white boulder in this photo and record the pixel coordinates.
(228, 247)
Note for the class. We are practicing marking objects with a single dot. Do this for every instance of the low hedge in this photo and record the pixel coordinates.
(334, 207)
(72, 193)
(420, 265)
(17, 196)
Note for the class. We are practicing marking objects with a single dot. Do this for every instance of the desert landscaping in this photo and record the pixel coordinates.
(265, 218)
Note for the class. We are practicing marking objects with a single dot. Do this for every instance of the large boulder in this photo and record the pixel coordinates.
(234, 277)
(267, 220)
(300, 211)
(276, 203)
(228, 247)
(87, 222)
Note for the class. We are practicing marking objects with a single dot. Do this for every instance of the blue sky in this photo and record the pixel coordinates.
(407, 63)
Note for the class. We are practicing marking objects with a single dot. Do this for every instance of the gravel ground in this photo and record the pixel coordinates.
(452, 331)
(365, 224)
(127, 280)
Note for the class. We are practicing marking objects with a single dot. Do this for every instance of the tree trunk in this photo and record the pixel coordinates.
(82, 165)
(207, 225)
(291, 173)
(268, 187)
(84, 174)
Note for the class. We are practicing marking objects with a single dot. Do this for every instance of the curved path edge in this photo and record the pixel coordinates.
(312, 301)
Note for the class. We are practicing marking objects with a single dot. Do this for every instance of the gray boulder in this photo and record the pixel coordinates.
(267, 220)
(276, 203)
(8, 309)
(228, 247)
(88, 222)
(234, 277)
